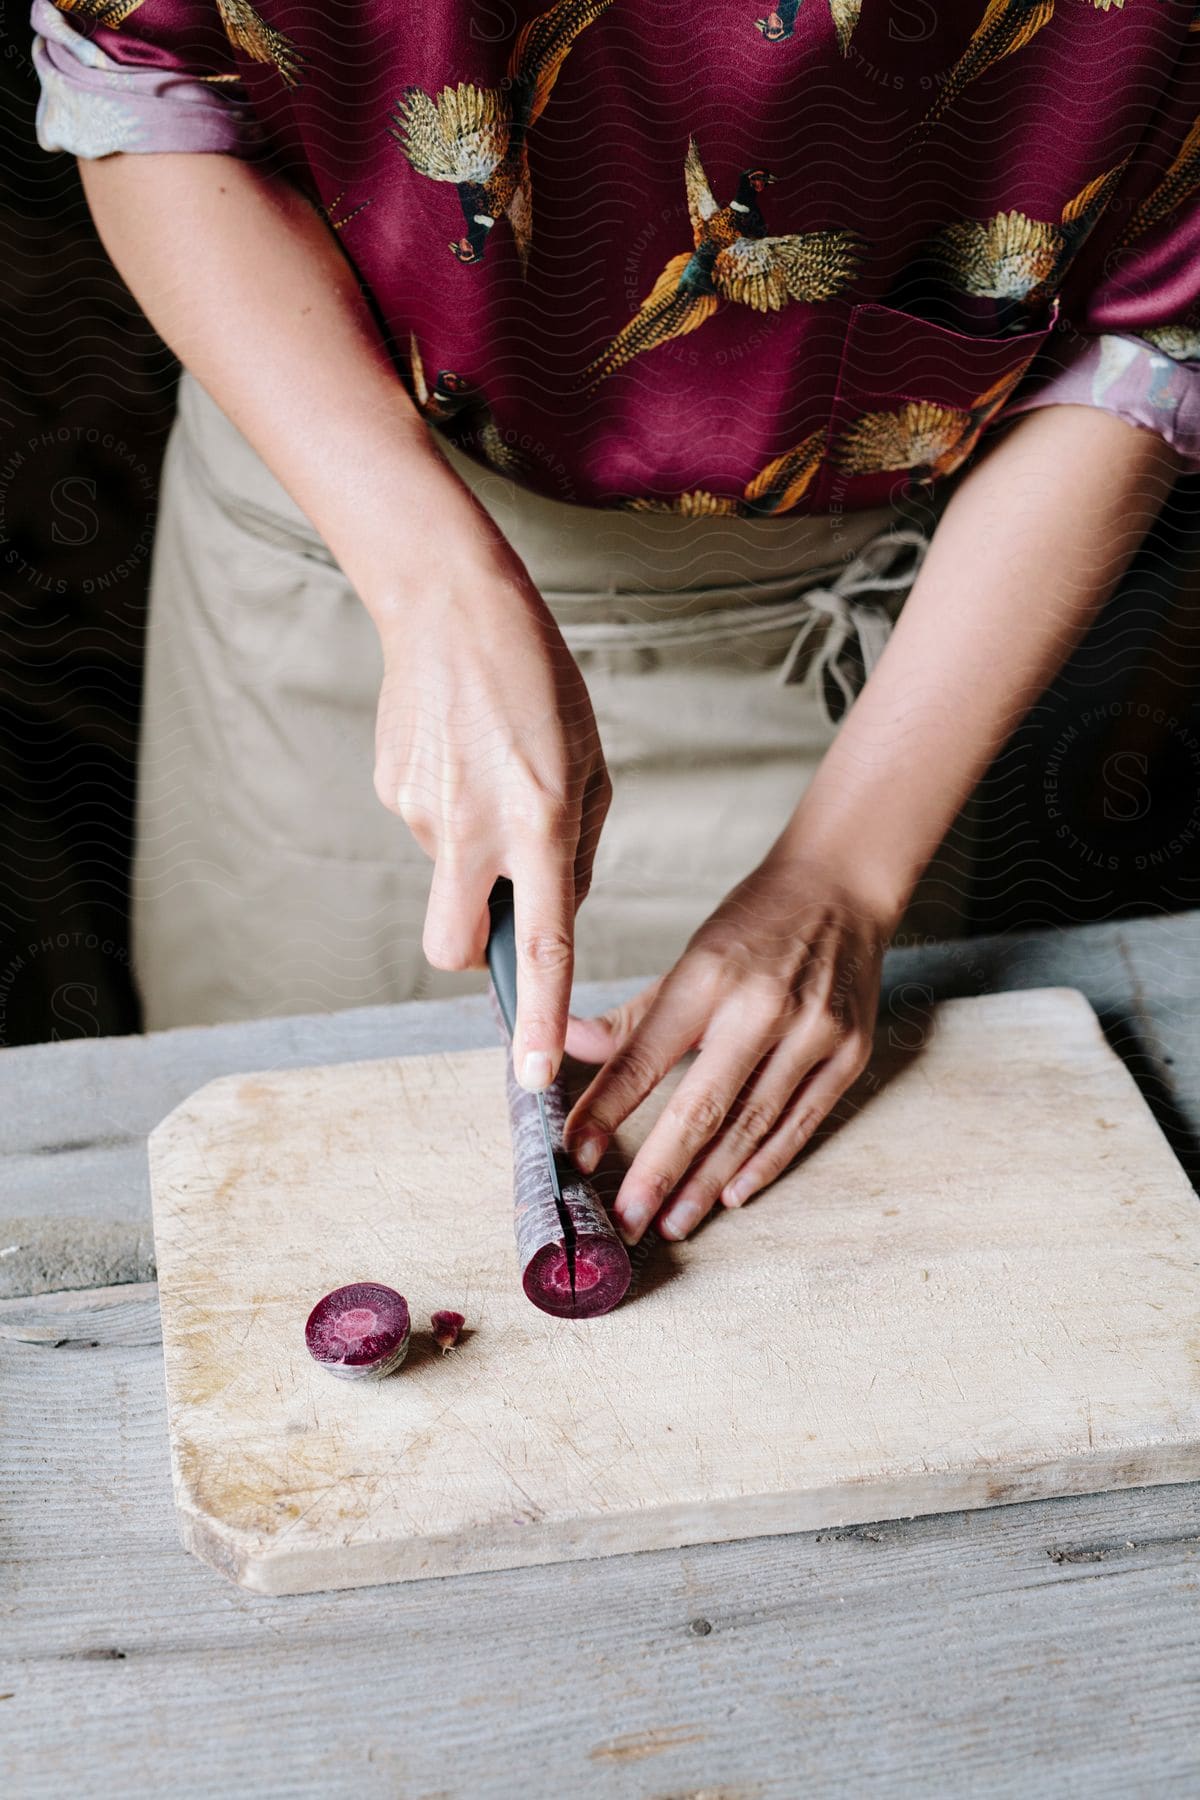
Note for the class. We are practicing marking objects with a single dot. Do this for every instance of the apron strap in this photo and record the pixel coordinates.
(847, 617)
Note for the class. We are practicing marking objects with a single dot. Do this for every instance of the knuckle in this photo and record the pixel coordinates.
(619, 1020)
(818, 1034)
(403, 800)
(803, 1125)
(445, 941)
(550, 822)
(546, 950)
(400, 794)
(546, 815)
(698, 1115)
(772, 987)
(712, 944)
(442, 953)
(634, 1072)
(752, 1123)
(601, 795)
(708, 967)
(765, 1023)
(658, 1184)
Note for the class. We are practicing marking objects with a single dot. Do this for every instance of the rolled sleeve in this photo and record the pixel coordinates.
(1152, 381)
(1129, 335)
(94, 103)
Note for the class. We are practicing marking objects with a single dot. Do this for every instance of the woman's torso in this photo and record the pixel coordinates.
(517, 184)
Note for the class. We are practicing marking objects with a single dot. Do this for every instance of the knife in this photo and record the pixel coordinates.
(573, 1263)
(502, 963)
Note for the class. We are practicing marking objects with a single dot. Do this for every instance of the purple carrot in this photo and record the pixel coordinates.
(447, 1327)
(359, 1332)
(573, 1264)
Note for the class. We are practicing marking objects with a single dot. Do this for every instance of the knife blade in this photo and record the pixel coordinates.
(502, 964)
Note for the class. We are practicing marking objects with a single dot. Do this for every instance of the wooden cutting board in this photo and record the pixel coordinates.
(985, 1287)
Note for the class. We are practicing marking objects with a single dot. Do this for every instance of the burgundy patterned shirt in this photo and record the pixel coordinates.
(709, 257)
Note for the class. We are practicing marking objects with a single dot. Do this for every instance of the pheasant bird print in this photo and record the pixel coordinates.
(454, 400)
(1006, 26)
(111, 13)
(927, 440)
(733, 259)
(785, 481)
(697, 503)
(1180, 342)
(335, 215)
(1014, 258)
(505, 181)
(477, 139)
(1180, 180)
(249, 32)
(245, 28)
(775, 489)
(780, 22)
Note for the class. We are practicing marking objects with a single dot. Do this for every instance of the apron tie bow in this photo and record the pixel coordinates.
(847, 617)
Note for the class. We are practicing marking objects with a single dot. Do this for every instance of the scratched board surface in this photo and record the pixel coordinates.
(984, 1286)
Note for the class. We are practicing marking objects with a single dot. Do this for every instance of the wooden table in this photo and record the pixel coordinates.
(1048, 1649)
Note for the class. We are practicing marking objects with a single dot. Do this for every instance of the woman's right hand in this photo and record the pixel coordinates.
(486, 743)
(486, 746)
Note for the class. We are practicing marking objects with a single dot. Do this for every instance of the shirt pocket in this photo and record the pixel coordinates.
(912, 401)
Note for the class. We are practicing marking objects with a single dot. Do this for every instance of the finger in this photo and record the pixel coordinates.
(690, 1119)
(671, 1025)
(754, 1115)
(595, 1040)
(544, 919)
(456, 914)
(810, 1107)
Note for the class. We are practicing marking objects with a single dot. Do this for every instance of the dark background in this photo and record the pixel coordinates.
(1092, 812)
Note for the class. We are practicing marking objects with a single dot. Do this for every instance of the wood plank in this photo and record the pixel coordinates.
(96, 1094)
(1046, 1648)
(74, 1116)
(109, 1315)
(980, 1289)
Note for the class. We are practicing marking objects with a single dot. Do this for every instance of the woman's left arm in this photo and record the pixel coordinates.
(778, 989)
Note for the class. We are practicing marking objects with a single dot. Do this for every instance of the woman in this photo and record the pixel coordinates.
(611, 360)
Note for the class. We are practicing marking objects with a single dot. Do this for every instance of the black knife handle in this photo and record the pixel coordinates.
(502, 950)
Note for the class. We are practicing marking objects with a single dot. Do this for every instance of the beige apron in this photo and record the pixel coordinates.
(268, 879)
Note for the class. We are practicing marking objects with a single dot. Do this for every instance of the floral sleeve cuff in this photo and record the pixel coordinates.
(1152, 380)
(92, 106)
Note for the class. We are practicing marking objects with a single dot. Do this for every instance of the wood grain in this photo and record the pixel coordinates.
(1047, 1649)
(122, 1315)
(1044, 1649)
(981, 1289)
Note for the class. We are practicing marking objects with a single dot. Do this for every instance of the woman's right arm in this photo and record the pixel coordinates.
(247, 284)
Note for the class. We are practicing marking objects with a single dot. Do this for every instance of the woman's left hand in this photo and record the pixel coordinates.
(778, 990)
